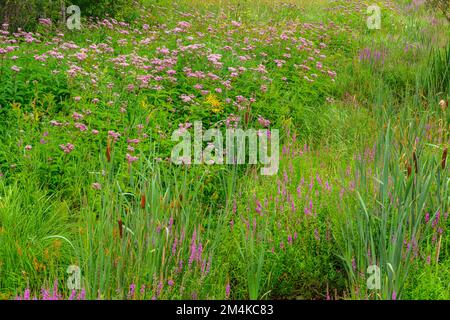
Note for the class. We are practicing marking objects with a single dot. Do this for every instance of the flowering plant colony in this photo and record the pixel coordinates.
(95, 204)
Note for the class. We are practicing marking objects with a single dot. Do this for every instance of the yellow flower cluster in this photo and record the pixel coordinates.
(215, 104)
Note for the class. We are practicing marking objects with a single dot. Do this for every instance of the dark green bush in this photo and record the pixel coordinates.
(101, 8)
(26, 14)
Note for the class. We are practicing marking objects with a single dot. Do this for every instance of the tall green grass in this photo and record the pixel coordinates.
(406, 182)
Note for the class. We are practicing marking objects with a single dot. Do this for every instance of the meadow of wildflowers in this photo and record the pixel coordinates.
(92, 207)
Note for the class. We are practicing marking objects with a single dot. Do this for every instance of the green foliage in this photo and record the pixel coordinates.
(388, 228)
(103, 8)
(443, 6)
(25, 14)
(362, 178)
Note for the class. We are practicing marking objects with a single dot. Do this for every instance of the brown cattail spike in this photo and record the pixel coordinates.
(444, 158)
(120, 228)
(108, 152)
(143, 201)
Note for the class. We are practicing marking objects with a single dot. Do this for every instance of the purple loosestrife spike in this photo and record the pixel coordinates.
(361, 55)
(45, 295)
(26, 295)
(55, 290)
(299, 192)
(170, 224)
(247, 225)
(258, 207)
(227, 291)
(208, 266)
(307, 212)
(131, 291)
(193, 248)
(199, 252)
(319, 180)
(193, 254)
(82, 294)
(436, 220)
(159, 289)
(174, 246)
(316, 234)
(377, 55)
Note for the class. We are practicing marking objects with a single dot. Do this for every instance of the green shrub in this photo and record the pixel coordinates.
(101, 8)
(26, 14)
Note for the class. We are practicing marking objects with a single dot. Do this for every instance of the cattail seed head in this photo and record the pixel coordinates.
(416, 166)
(108, 152)
(143, 201)
(444, 158)
(120, 228)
